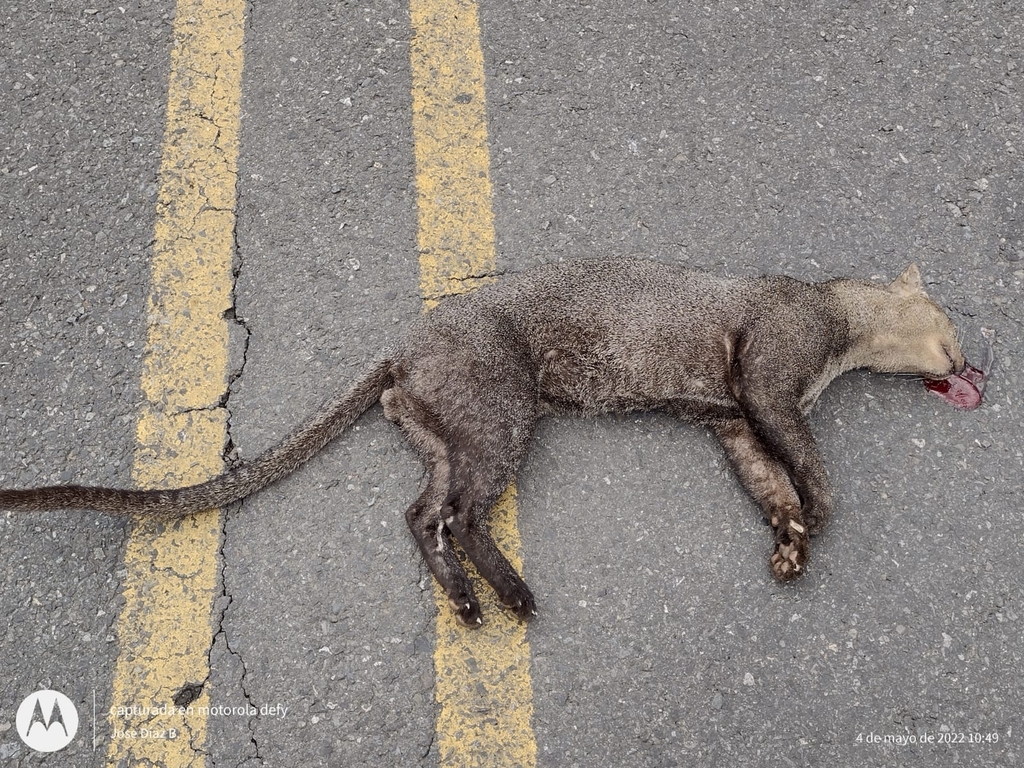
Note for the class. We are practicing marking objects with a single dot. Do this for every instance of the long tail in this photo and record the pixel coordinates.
(297, 448)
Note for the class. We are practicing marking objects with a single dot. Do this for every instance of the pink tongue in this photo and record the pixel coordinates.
(961, 390)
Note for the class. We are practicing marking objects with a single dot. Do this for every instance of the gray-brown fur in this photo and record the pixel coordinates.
(467, 383)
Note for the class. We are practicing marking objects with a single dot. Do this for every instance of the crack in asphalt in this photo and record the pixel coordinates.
(224, 600)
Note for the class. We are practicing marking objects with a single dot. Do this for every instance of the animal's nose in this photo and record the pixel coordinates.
(959, 361)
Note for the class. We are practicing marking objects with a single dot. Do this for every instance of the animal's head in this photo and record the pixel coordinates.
(911, 333)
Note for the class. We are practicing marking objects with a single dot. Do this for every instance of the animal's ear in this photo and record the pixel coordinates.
(909, 283)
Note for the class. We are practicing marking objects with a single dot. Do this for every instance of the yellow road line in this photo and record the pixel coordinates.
(482, 676)
(164, 630)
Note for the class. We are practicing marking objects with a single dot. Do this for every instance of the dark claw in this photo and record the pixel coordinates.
(467, 612)
(522, 604)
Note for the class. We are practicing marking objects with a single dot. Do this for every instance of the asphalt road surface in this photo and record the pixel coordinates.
(809, 139)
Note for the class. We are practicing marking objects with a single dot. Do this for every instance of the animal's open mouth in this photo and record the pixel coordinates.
(961, 390)
(964, 390)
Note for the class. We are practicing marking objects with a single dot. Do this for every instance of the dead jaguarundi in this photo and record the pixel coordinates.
(748, 357)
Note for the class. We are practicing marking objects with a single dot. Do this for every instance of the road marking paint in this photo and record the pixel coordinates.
(456, 225)
(164, 630)
(483, 681)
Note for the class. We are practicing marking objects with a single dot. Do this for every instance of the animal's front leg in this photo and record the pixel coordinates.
(787, 437)
(768, 385)
(768, 483)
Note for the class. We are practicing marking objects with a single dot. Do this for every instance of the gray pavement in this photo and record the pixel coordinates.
(81, 127)
(814, 141)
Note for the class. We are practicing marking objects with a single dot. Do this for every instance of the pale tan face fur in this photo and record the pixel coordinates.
(911, 334)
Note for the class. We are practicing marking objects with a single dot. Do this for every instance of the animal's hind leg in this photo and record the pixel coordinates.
(424, 516)
(468, 522)
(767, 481)
(482, 466)
(431, 534)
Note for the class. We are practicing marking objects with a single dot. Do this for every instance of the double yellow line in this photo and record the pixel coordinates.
(164, 631)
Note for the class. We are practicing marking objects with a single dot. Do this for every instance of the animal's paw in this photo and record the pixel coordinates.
(815, 521)
(467, 610)
(792, 549)
(520, 601)
(815, 516)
